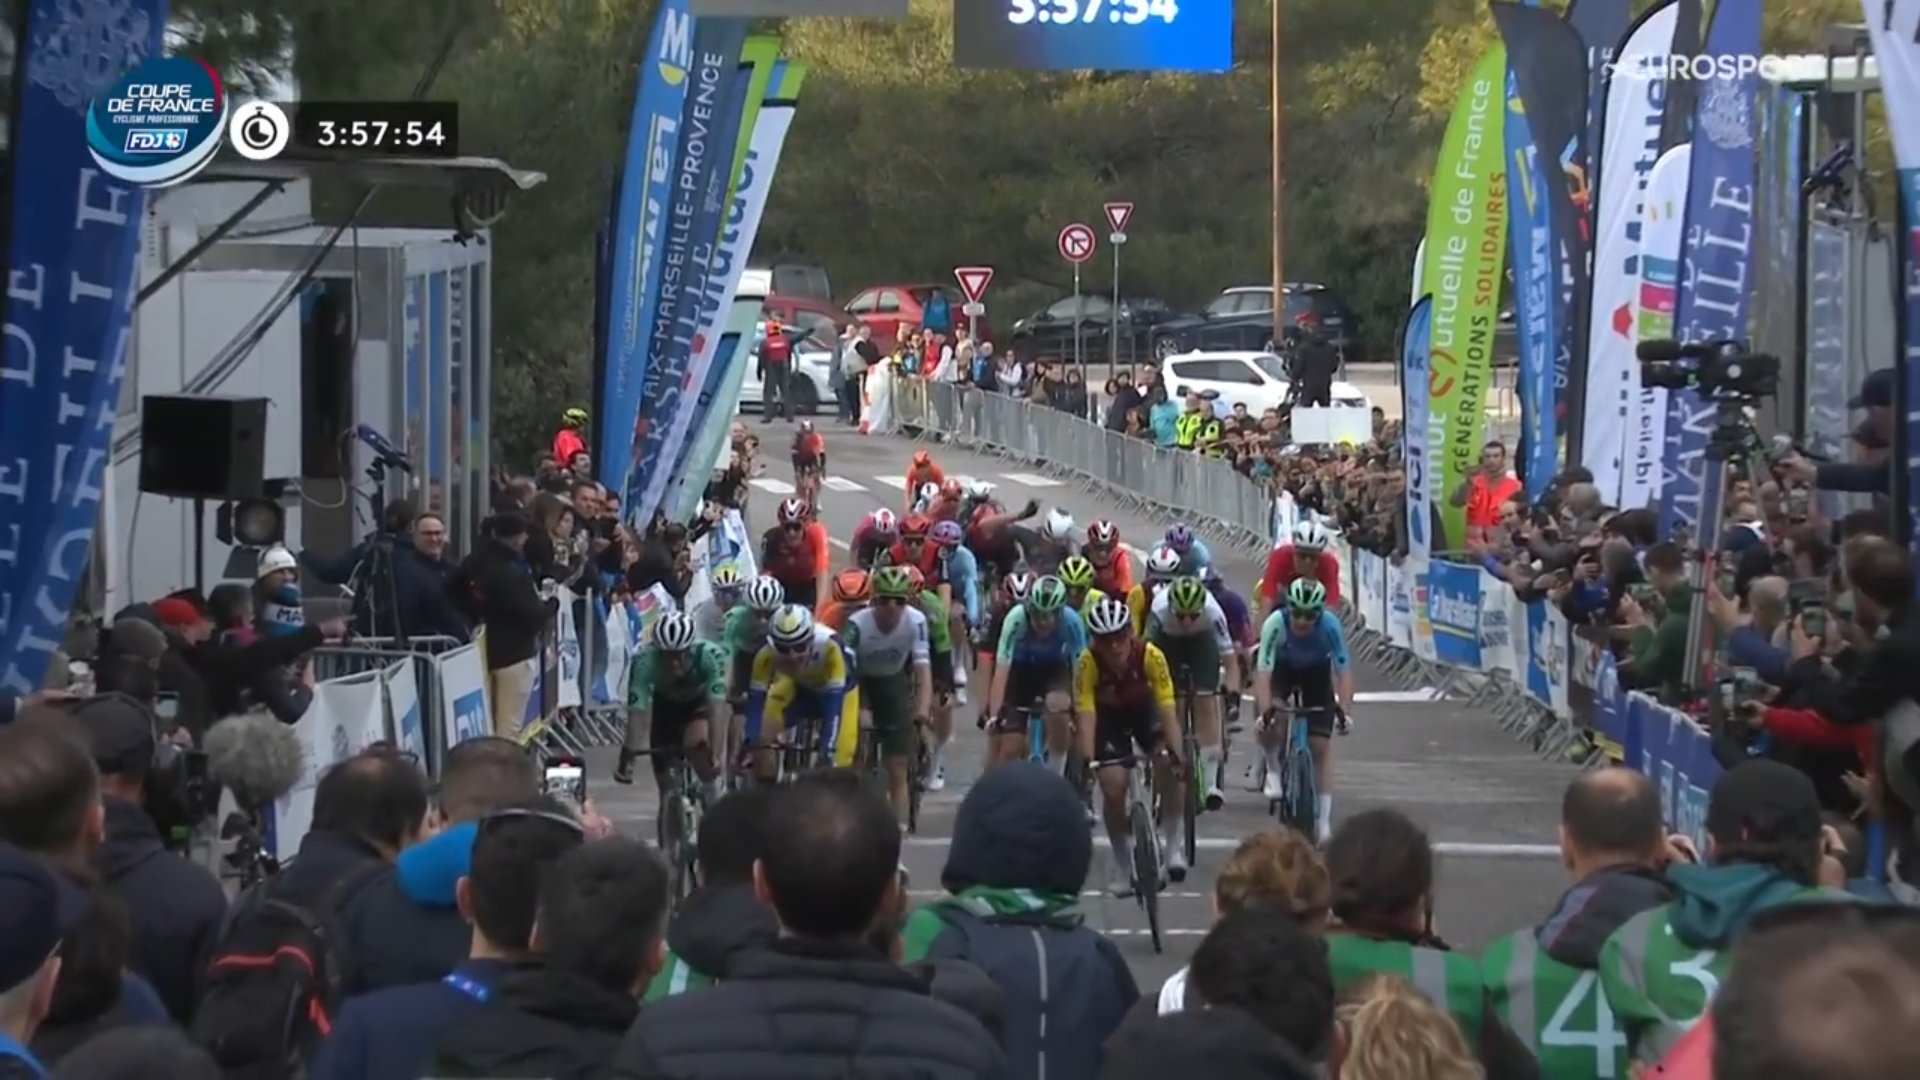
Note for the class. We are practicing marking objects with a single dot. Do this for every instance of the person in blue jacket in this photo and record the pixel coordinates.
(1161, 414)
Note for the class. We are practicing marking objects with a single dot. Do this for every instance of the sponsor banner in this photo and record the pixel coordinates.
(75, 238)
(1546, 670)
(1399, 607)
(1826, 284)
(1370, 574)
(1677, 755)
(1416, 431)
(638, 233)
(1662, 226)
(403, 709)
(1716, 287)
(1453, 613)
(1609, 708)
(1895, 26)
(1497, 611)
(708, 126)
(1535, 296)
(1634, 111)
(465, 712)
(1465, 258)
(1599, 25)
(567, 654)
(345, 717)
(610, 681)
(714, 439)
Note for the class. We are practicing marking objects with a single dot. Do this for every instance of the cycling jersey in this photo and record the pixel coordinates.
(704, 679)
(1115, 578)
(1283, 570)
(1196, 560)
(944, 510)
(810, 447)
(1142, 679)
(996, 625)
(818, 681)
(916, 478)
(1320, 649)
(1140, 602)
(790, 560)
(883, 653)
(831, 614)
(991, 545)
(939, 630)
(1164, 623)
(1239, 619)
(1091, 601)
(962, 574)
(710, 621)
(1042, 555)
(867, 545)
(1022, 646)
(816, 533)
(745, 630)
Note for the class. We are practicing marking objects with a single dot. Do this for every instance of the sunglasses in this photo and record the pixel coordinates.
(889, 601)
(794, 650)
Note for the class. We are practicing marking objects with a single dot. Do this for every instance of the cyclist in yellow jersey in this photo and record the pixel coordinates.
(1076, 572)
(1123, 698)
(802, 665)
(1163, 565)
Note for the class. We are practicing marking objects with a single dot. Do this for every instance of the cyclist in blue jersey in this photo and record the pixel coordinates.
(1194, 556)
(1039, 643)
(1304, 652)
(1239, 627)
(958, 576)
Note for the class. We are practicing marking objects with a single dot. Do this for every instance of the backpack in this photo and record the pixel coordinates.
(1086, 992)
(276, 981)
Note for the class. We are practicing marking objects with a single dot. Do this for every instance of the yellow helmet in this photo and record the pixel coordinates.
(574, 417)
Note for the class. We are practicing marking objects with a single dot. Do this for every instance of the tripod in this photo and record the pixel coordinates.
(1733, 440)
(371, 587)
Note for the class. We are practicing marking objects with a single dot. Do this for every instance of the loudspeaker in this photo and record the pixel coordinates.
(202, 446)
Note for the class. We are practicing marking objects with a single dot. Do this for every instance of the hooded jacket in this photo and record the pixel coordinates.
(714, 924)
(404, 923)
(174, 907)
(392, 1034)
(542, 1022)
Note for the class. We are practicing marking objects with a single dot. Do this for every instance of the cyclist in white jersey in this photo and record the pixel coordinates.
(710, 615)
(1189, 626)
(894, 667)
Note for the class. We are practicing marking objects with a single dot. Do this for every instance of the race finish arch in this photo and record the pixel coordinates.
(1094, 35)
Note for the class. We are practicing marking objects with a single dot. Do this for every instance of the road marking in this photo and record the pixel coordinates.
(1165, 931)
(893, 481)
(1398, 697)
(1031, 479)
(1444, 847)
(1088, 894)
(768, 483)
(839, 543)
(840, 483)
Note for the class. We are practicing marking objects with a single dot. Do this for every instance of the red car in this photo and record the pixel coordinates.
(887, 308)
(821, 321)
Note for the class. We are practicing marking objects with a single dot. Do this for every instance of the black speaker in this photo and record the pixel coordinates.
(201, 446)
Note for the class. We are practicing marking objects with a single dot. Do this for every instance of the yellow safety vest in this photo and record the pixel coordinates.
(1186, 430)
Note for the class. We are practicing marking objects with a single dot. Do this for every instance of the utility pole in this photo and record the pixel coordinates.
(1279, 187)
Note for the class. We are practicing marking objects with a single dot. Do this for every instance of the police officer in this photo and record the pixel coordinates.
(1188, 428)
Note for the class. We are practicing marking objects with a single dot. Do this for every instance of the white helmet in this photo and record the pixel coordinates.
(274, 559)
(1059, 525)
(1310, 536)
(979, 489)
(791, 627)
(765, 594)
(929, 492)
(673, 633)
(883, 522)
(1109, 616)
(1163, 562)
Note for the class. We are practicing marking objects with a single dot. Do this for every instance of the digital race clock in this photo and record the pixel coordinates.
(1103, 35)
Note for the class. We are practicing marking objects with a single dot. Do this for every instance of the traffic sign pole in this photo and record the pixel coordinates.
(1118, 215)
(973, 284)
(1077, 242)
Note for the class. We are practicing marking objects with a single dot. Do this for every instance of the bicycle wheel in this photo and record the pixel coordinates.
(1146, 868)
(689, 846)
(1195, 793)
(1298, 808)
(673, 824)
(917, 779)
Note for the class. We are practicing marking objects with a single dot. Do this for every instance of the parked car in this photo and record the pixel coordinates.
(819, 318)
(782, 276)
(887, 308)
(1255, 379)
(1050, 331)
(809, 385)
(1241, 318)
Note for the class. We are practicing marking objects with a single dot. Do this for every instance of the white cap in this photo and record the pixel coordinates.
(275, 558)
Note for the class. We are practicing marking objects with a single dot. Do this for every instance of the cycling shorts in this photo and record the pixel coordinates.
(1198, 655)
(1029, 684)
(1307, 688)
(669, 728)
(842, 732)
(1117, 731)
(805, 593)
(943, 671)
(803, 462)
(740, 676)
(889, 698)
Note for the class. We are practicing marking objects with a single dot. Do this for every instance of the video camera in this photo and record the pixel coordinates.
(1721, 369)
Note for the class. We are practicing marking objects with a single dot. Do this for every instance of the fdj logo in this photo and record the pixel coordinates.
(156, 140)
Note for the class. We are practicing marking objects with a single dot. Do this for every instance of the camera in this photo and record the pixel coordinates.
(1717, 369)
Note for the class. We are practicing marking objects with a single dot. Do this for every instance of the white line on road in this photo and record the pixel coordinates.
(1462, 849)
(773, 484)
(893, 481)
(1169, 931)
(1397, 697)
(1088, 894)
(840, 483)
(1031, 479)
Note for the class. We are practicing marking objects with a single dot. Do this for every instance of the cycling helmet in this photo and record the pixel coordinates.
(916, 581)
(852, 587)
(916, 527)
(1162, 562)
(922, 459)
(1103, 533)
(1018, 585)
(1076, 572)
(792, 511)
(1180, 538)
(725, 576)
(574, 417)
(1188, 596)
(765, 594)
(952, 490)
(1048, 596)
(1310, 536)
(893, 583)
(1110, 617)
(791, 627)
(673, 633)
(806, 427)
(883, 523)
(929, 491)
(979, 490)
(946, 534)
(1059, 525)
(1306, 594)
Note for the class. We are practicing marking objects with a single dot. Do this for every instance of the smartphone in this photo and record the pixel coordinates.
(1814, 618)
(566, 778)
(1728, 578)
(166, 706)
(1641, 592)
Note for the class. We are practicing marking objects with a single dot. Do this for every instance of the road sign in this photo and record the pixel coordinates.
(973, 309)
(973, 281)
(1076, 243)
(1118, 215)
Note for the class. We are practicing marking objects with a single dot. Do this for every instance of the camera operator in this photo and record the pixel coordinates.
(174, 906)
(416, 552)
(1874, 435)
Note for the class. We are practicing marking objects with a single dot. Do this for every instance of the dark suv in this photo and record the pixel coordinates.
(1241, 319)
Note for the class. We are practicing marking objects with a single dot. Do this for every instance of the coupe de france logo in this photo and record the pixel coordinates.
(159, 123)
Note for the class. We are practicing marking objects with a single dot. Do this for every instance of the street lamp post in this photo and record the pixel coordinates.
(1279, 186)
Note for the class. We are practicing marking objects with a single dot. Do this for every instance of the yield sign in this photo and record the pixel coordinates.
(1118, 214)
(973, 281)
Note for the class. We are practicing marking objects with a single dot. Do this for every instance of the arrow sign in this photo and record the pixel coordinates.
(1076, 243)
(1118, 215)
(973, 281)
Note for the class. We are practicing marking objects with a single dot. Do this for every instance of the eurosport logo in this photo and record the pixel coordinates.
(160, 123)
(1700, 68)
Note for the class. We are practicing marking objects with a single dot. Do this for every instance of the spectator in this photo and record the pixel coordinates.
(859, 358)
(174, 907)
(1192, 420)
(1312, 365)
(818, 1002)
(1614, 848)
(1395, 1032)
(1889, 674)
(147, 1052)
(775, 368)
(500, 587)
(39, 912)
(366, 810)
(1163, 416)
(570, 437)
(596, 944)
(1013, 877)
(1749, 635)
(415, 603)
(405, 924)
(1010, 376)
(1218, 1044)
(552, 550)
(1122, 400)
(1071, 395)
(11, 704)
(391, 1034)
(722, 917)
(1656, 622)
(1876, 397)
(1482, 493)
(1763, 850)
(1263, 961)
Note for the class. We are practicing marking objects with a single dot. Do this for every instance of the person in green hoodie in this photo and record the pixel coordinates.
(1659, 645)
(722, 916)
(1661, 969)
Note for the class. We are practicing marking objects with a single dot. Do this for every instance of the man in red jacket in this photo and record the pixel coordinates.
(776, 367)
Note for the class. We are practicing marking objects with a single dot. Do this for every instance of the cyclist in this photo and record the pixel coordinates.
(1011, 594)
(851, 591)
(946, 506)
(877, 532)
(1194, 556)
(1034, 665)
(990, 529)
(912, 548)
(1190, 628)
(1306, 557)
(803, 667)
(925, 498)
(1112, 567)
(894, 666)
(809, 459)
(1076, 573)
(1045, 548)
(745, 632)
(710, 615)
(948, 686)
(922, 471)
(1303, 652)
(956, 578)
(1163, 565)
(677, 685)
(788, 555)
(1123, 698)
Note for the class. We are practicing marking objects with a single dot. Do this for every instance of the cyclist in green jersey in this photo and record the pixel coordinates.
(1076, 572)
(945, 682)
(677, 684)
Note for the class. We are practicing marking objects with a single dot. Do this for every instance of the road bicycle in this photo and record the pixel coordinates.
(1299, 790)
(683, 804)
(1196, 787)
(1143, 804)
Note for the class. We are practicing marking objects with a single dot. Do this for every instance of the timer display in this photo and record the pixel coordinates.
(1099, 35)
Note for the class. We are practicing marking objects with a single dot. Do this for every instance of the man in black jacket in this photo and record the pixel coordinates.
(419, 605)
(513, 612)
(723, 917)
(174, 906)
(819, 1002)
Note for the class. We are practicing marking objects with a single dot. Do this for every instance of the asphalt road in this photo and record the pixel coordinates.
(1489, 807)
